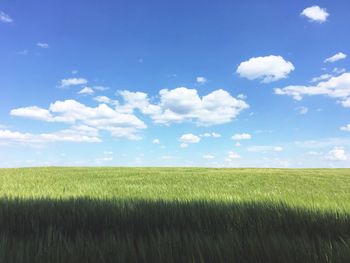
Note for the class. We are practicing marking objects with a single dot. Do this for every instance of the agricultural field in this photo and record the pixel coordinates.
(174, 215)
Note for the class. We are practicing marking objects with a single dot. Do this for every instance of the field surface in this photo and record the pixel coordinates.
(174, 215)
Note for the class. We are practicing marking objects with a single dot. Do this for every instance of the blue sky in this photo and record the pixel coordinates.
(175, 83)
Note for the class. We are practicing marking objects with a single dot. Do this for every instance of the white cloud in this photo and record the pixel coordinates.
(336, 87)
(183, 145)
(42, 45)
(74, 71)
(346, 102)
(208, 134)
(201, 80)
(337, 154)
(102, 117)
(100, 88)
(232, 155)
(338, 70)
(216, 135)
(86, 91)
(322, 77)
(72, 82)
(189, 138)
(345, 128)
(106, 100)
(241, 96)
(335, 58)
(70, 135)
(5, 18)
(269, 68)
(241, 136)
(32, 112)
(156, 141)
(302, 110)
(315, 14)
(264, 148)
(183, 104)
(208, 156)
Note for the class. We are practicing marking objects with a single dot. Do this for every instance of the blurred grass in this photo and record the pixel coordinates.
(174, 215)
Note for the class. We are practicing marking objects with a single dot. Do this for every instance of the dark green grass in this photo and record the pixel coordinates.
(174, 215)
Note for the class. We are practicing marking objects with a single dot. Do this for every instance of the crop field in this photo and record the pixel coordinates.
(174, 215)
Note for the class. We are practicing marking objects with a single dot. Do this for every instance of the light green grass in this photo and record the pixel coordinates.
(312, 188)
(174, 215)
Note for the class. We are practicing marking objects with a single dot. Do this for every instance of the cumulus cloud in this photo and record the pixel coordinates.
(86, 91)
(201, 80)
(32, 112)
(269, 68)
(302, 110)
(241, 136)
(72, 82)
(183, 104)
(336, 57)
(315, 14)
(337, 154)
(336, 87)
(345, 128)
(5, 18)
(189, 138)
(42, 45)
(102, 117)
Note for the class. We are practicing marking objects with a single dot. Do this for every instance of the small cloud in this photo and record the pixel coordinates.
(232, 155)
(315, 14)
(241, 136)
(74, 71)
(183, 145)
(302, 110)
(201, 80)
(338, 70)
(336, 57)
(156, 141)
(5, 18)
(72, 82)
(215, 135)
(100, 88)
(345, 128)
(189, 138)
(208, 156)
(86, 91)
(208, 134)
(42, 45)
(238, 144)
(337, 154)
(106, 100)
(320, 78)
(241, 96)
(269, 68)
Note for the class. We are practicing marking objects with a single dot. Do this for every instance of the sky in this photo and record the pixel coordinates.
(175, 83)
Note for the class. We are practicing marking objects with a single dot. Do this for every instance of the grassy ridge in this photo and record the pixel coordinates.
(174, 215)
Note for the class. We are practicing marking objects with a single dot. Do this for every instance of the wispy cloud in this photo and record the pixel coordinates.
(5, 18)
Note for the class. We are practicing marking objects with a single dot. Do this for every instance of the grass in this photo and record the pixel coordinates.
(174, 215)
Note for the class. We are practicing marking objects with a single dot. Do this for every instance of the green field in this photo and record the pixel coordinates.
(174, 215)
